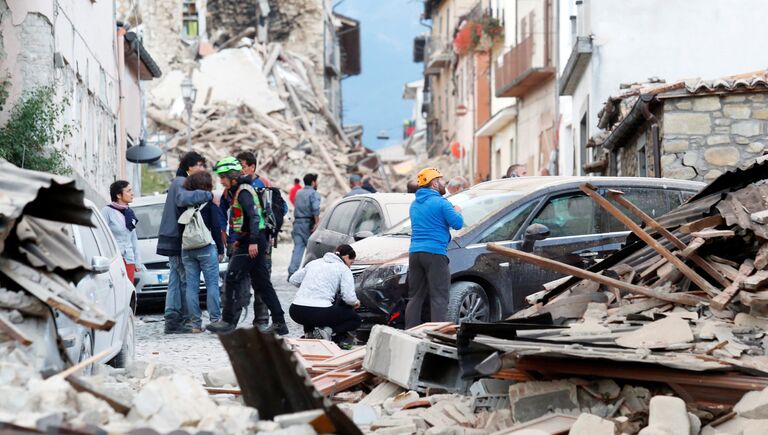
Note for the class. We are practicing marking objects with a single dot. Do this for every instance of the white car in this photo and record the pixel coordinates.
(152, 283)
(111, 291)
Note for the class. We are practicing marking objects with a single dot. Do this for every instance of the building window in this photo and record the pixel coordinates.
(583, 138)
(190, 17)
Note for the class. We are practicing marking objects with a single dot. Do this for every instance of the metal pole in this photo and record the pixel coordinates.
(189, 126)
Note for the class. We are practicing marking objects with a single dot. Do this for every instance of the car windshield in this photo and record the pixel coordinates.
(149, 217)
(476, 205)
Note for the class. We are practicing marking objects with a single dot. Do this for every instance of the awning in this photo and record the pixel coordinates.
(501, 119)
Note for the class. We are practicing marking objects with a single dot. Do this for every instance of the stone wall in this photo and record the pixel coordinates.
(703, 137)
(162, 24)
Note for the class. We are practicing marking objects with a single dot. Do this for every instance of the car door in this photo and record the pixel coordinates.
(103, 288)
(117, 275)
(368, 218)
(337, 231)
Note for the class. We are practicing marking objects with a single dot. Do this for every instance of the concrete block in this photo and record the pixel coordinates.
(529, 400)
(753, 405)
(222, 377)
(659, 334)
(588, 424)
(669, 413)
(382, 392)
(298, 418)
(411, 362)
(364, 415)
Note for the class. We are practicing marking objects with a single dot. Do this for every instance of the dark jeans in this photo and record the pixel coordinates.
(260, 311)
(237, 295)
(341, 318)
(428, 277)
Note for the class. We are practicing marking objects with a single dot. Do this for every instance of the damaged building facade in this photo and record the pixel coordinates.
(75, 47)
(695, 130)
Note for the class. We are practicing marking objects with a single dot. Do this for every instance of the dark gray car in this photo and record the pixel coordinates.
(355, 218)
(486, 285)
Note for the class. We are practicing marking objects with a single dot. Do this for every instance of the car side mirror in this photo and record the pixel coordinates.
(360, 235)
(533, 233)
(100, 264)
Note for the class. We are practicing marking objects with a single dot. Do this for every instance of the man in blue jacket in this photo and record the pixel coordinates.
(432, 217)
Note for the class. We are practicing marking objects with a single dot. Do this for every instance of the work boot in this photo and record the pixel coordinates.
(279, 328)
(323, 333)
(174, 324)
(220, 327)
(344, 341)
(261, 326)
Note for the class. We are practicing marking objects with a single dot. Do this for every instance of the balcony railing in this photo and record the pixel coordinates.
(438, 54)
(518, 73)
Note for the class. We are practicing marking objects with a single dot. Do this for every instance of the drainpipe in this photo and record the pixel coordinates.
(650, 117)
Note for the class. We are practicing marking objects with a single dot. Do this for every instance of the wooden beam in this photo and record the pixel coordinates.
(85, 363)
(707, 222)
(80, 386)
(235, 39)
(9, 329)
(691, 254)
(720, 301)
(272, 58)
(343, 184)
(689, 273)
(677, 298)
(711, 234)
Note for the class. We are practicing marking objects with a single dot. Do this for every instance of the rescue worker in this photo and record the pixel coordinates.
(432, 217)
(306, 215)
(246, 221)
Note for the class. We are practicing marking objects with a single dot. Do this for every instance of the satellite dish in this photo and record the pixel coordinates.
(143, 153)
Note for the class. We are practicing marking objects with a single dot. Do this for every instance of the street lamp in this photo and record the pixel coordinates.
(188, 93)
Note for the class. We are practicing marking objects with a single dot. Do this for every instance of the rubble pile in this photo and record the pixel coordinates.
(264, 99)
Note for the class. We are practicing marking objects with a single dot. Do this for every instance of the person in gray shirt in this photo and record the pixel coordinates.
(356, 183)
(122, 222)
(306, 217)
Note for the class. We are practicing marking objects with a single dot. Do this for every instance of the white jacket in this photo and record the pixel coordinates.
(320, 280)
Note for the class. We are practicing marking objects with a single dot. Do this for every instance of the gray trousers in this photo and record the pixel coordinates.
(300, 234)
(428, 276)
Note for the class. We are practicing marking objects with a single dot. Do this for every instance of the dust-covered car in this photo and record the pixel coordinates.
(487, 286)
(109, 288)
(355, 218)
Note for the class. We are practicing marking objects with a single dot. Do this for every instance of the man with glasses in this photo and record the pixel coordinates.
(169, 240)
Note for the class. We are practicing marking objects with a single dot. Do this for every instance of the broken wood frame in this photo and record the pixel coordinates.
(693, 256)
(677, 298)
(689, 273)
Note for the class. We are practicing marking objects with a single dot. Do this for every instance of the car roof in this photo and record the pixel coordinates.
(533, 184)
(149, 200)
(388, 198)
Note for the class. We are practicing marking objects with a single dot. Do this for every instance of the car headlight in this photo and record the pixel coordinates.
(378, 277)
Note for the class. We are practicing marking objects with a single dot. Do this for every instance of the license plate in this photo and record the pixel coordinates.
(162, 278)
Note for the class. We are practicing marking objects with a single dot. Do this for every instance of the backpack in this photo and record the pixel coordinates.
(195, 235)
(274, 208)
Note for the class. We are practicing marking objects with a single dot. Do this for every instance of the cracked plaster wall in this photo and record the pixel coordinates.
(83, 34)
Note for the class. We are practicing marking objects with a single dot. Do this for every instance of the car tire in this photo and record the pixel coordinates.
(468, 301)
(86, 351)
(128, 350)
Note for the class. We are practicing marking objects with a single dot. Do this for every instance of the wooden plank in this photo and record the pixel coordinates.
(689, 273)
(720, 301)
(9, 329)
(712, 234)
(235, 39)
(730, 272)
(86, 362)
(636, 307)
(653, 268)
(707, 222)
(688, 251)
(272, 58)
(218, 390)
(722, 260)
(342, 359)
(692, 247)
(340, 180)
(755, 281)
(677, 298)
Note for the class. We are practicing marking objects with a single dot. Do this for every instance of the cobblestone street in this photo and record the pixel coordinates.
(202, 352)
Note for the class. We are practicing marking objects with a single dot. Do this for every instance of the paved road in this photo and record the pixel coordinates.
(202, 352)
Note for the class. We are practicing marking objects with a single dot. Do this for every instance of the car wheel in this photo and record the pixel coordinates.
(128, 350)
(468, 301)
(86, 351)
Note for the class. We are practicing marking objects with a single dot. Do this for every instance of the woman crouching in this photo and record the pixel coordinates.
(315, 305)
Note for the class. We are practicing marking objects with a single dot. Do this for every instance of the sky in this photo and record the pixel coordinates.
(374, 98)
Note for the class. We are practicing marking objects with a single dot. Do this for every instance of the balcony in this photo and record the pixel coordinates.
(518, 74)
(439, 52)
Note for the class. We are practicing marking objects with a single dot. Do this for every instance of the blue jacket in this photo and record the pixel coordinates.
(179, 198)
(431, 218)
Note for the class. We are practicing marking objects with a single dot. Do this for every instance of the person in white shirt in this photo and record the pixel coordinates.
(315, 306)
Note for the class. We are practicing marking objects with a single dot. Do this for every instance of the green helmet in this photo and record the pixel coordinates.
(227, 164)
